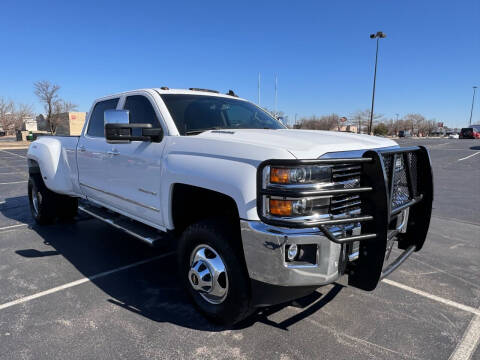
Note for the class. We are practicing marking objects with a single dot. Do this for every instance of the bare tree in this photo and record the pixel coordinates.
(6, 109)
(21, 112)
(362, 117)
(414, 123)
(48, 95)
(53, 104)
(326, 122)
(12, 116)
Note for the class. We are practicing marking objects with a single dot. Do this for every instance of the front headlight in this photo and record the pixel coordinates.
(304, 177)
(303, 207)
(299, 175)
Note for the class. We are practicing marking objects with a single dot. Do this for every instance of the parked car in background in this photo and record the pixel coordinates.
(453, 136)
(404, 133)
(472, 132)
(2, 133)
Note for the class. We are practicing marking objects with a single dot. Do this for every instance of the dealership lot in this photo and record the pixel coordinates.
(86, 290)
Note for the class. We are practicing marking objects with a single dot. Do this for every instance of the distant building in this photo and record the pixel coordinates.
(347, 128)
(29, 124)
(70, 123)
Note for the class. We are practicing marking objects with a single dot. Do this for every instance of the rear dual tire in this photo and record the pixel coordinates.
(46, 205)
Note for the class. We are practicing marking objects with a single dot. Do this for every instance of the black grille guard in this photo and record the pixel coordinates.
(385, 191)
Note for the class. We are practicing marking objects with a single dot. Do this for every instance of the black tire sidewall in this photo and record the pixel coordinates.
(46, 207)
(215, 234)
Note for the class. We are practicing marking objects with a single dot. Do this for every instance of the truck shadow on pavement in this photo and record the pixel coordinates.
(152, 289)
(16, 208)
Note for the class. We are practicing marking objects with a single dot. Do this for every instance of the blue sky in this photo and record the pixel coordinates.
(320, 50)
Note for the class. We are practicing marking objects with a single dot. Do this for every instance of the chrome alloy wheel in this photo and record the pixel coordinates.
(208, 274)
(36, 200)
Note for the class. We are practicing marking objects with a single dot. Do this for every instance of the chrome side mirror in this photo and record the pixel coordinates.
(116, 117)
(118, 129)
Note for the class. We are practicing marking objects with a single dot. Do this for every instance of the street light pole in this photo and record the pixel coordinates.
(473, 102)
(379, 35)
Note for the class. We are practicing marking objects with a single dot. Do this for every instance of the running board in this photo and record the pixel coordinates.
(134, 228)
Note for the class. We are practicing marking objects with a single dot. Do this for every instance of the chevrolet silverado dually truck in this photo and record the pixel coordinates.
(260, 214)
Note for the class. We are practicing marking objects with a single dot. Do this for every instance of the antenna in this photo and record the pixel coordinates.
(276, 85)
(258, 89)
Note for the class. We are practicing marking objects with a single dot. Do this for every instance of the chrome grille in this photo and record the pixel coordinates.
(347, 177)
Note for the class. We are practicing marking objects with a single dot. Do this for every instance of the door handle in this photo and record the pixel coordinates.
(113, 152)
(82, 148)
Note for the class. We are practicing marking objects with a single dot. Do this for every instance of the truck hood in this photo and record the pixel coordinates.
(303, 144)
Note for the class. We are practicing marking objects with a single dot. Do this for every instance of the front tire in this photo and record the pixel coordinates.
(213, 271)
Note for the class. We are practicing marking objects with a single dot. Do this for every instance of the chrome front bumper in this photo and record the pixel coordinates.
(264, 248)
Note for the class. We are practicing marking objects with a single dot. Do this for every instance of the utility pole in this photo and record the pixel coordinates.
(258, 89)
(379, 35)
(473, 102)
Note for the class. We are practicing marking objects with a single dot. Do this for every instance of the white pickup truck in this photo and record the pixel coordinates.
(261, 214)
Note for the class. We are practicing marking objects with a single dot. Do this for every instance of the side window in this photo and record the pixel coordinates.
(141, 111)
(96, 125)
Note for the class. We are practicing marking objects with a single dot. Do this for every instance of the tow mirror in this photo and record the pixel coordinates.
(123, 133)
(116, 117)
(118, 129)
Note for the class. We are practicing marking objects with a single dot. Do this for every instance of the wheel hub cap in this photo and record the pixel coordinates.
(36, 198)
(208, 274)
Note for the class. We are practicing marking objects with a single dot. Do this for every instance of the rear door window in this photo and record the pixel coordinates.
(96, 125)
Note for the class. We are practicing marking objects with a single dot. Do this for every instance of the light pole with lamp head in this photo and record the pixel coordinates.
(379, 35)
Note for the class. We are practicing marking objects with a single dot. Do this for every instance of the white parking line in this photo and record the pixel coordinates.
(14, 182)
(12, 153)
(470, 339)
(439, 299)
(469, 156)
(80, 281)
(12, 226)
(467, 346)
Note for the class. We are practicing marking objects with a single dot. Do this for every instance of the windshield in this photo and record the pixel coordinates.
(193, 114)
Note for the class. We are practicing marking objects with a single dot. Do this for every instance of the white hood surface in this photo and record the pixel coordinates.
(303, 144)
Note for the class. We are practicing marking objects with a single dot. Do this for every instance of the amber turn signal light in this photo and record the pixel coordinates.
(279, 176)
(281, 207)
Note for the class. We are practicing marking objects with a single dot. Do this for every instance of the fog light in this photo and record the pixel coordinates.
(292, 252)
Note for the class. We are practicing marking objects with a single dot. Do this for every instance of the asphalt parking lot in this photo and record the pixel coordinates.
(86, 290)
